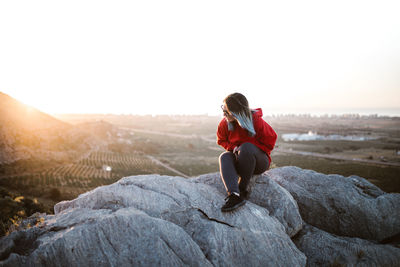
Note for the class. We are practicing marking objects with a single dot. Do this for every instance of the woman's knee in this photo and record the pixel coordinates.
(227, 155)
(247, 148)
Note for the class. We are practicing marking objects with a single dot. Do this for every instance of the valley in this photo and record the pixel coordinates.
(57, 158)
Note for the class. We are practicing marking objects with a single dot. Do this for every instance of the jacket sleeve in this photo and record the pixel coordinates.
(265, 135)
(222, 136)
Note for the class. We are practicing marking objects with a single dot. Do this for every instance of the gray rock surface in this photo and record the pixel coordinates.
(266, 193)
(324, 249)
(88, 237)
(346, 206)
(152, 220)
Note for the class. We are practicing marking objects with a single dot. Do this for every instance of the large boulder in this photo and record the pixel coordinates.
(346, 206)
(89, 237)
(161, 220)
(324, 249)
(266, 193)
(152, 220)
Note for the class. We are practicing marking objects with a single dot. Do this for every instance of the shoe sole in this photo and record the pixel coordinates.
(234, 207)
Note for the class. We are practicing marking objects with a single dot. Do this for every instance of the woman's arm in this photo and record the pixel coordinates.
(265, 134)
(223, 136)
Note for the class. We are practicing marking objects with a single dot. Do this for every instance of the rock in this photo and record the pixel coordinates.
(162, 220)
(87, 237)
(266, 193)
(324, 249)
(152, 220)
(346, 206)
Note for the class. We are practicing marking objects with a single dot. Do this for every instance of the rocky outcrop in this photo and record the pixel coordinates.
(88, 237)
(324, 249)
(266, 193)
(160, 220)
(346, 206)
(171, 221)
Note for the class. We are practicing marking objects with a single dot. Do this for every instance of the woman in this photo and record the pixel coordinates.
(248, 141)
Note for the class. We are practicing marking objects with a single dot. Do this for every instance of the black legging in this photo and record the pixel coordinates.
(247, 161)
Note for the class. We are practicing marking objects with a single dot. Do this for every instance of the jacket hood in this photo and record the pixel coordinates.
(257, 112)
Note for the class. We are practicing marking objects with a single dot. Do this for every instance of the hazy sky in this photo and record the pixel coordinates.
(186, 56)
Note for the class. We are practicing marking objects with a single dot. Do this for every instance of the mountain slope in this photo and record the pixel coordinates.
(23, 117)
(29, 134)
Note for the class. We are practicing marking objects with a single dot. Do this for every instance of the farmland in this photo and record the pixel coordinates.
(99, 168)
(45, 188)
(124, 145)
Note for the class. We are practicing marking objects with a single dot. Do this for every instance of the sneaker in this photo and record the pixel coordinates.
(232, 202)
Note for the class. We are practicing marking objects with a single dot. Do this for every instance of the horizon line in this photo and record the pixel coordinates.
(395, 112)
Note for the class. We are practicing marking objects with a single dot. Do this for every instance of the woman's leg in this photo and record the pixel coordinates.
(229, 175)
(251, 160)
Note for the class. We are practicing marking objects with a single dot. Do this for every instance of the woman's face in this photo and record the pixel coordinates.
(228, 116)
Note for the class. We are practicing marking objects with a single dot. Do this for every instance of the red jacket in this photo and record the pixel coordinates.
(265, 137)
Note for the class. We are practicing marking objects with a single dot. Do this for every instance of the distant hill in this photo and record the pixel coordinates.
(28, 134)
(23, 117)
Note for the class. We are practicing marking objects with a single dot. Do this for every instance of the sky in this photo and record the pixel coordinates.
(185, 57)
